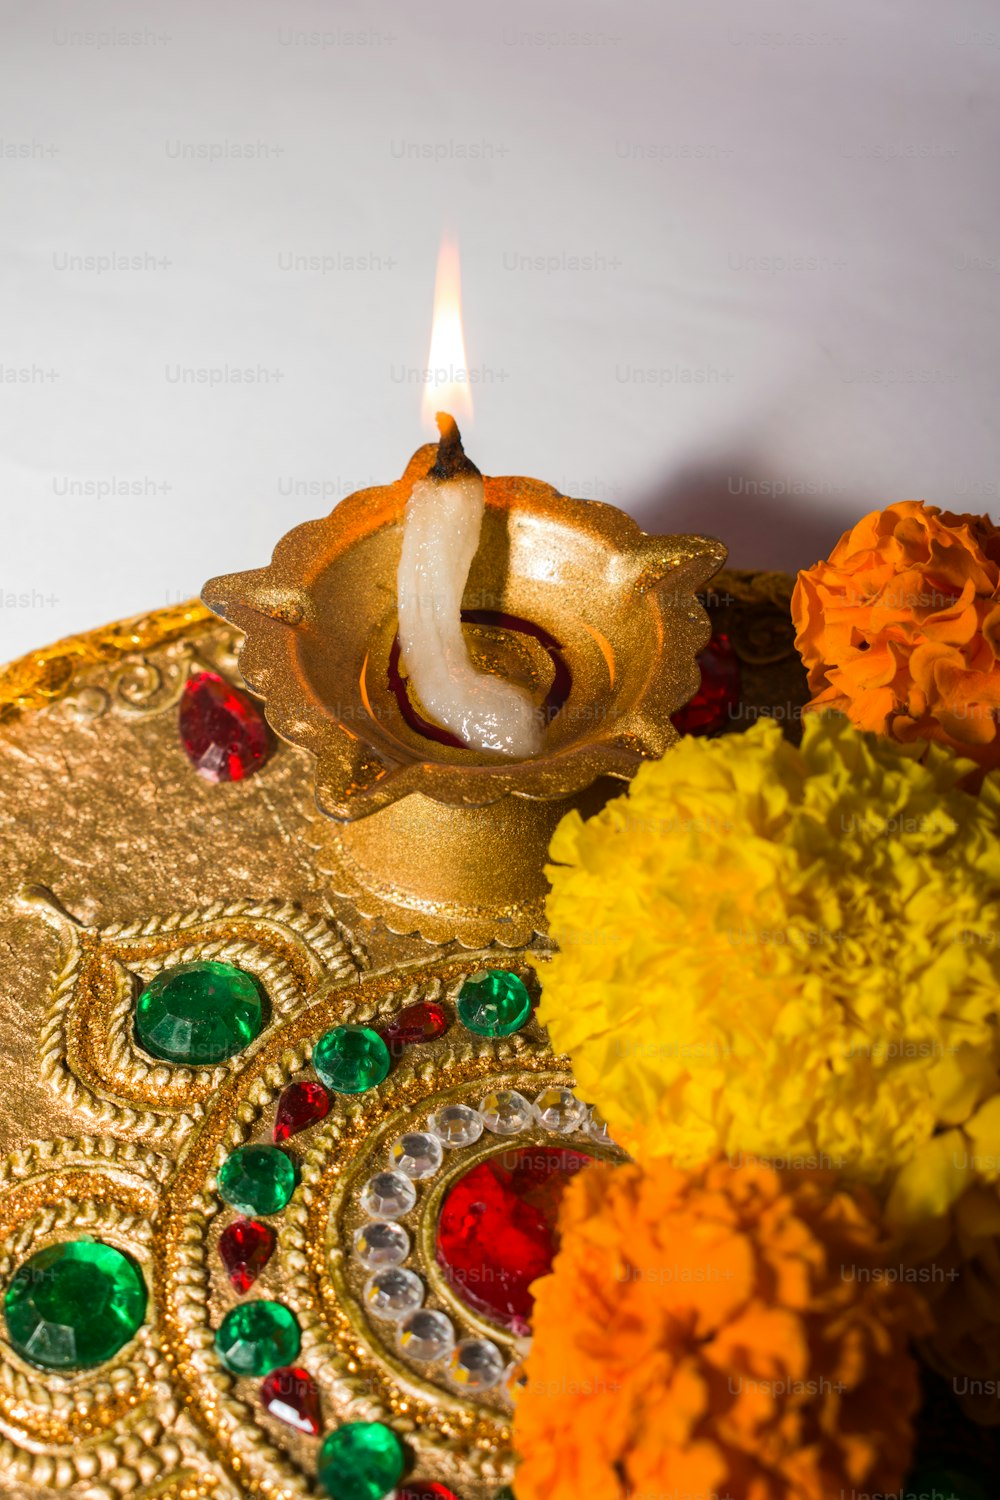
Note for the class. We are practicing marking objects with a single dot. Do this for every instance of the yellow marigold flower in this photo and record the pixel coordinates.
(945, 1207)
(780, 952)
(724, 1331)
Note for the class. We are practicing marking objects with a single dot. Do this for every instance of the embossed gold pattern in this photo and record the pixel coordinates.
(99, 805)
(47, 675)
(87, 1049)
(162, 1208)
(62, 1430)
(355, 1375)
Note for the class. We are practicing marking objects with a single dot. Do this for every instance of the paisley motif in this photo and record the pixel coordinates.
(166, 1411)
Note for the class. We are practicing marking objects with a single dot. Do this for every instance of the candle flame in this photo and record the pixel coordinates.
(447, 385)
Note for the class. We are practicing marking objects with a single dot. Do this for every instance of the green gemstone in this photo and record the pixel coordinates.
(360, 1461)
(74, 1305)
(199, 1013)
(257, 1180)
(257, 1337)
(350, 1059)
(493, 1003)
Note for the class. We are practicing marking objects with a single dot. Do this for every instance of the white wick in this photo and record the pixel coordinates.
(444, 516)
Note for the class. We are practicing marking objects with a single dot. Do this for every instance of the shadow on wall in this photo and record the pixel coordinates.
(762, 524)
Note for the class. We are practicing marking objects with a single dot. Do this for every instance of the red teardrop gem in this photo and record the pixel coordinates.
(222, 731)
(300, 1105)
(425, 1489)
(415, 1023)
(290, 1395)
(245, 1248)
(713, 704)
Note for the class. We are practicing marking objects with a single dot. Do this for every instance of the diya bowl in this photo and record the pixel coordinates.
(569, 598)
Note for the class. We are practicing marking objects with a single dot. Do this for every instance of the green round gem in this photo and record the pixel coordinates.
(74, 1305)
(351, 1059)
(199, 1013)
(257, 1180)
(360, 1461)
(493, 1003)
(257, 1337)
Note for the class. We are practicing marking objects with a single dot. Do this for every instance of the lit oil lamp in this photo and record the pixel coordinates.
(468, 658)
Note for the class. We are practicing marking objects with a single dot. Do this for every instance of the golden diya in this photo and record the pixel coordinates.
(468, 657)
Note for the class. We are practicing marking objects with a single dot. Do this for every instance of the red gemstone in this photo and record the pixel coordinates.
(415, 1023)
(245, 1248)
(290, 1395)
(301, 1104)
(713, 704)
(222, 731)
(497, 1230)
(425, 1489)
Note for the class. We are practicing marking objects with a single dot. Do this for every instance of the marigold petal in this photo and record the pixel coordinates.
(918, 587)
(773, 1401)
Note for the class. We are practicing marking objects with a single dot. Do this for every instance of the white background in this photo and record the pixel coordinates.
(791, 213)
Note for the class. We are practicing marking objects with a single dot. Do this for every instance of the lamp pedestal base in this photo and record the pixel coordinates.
(471, 874)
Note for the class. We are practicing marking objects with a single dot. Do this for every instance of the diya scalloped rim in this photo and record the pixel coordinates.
(617, 605)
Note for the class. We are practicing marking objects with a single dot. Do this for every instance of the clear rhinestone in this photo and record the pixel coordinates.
(394, 1293)
(388, 1195)
(506, 1112)
(515, 1378)
(456, 1125)
(426, 1335)
(476, 1364)
(559, 1110)
(597, 1128)
(417, 1154)
(380, 1244)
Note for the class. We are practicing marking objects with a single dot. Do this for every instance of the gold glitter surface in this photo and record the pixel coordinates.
(186, 1486)
(117, 860)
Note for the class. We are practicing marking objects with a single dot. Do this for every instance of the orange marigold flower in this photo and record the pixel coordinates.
(728, 1330)
(900, 628)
